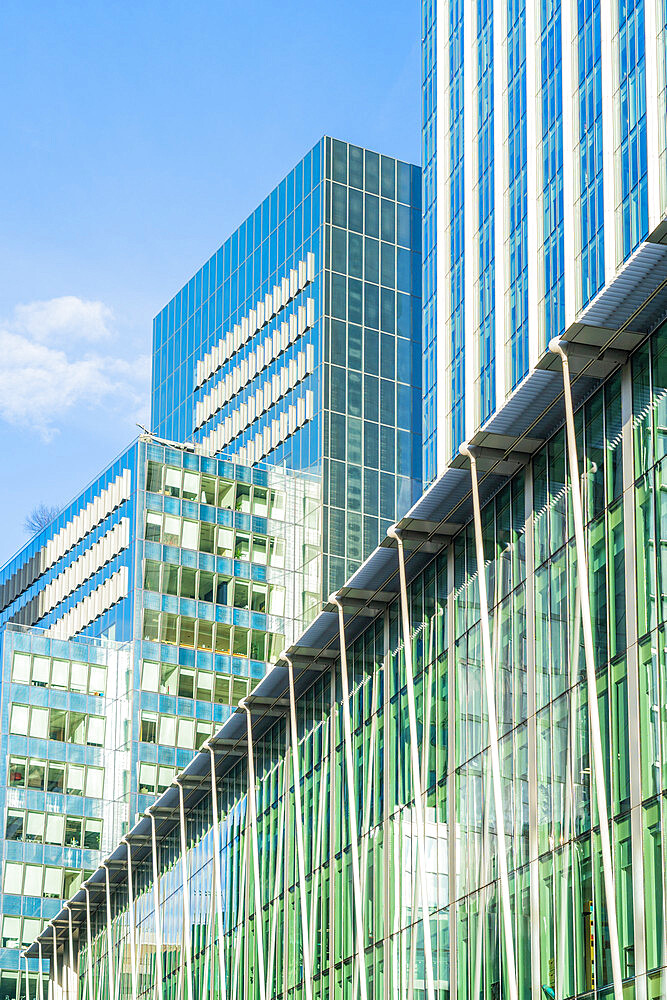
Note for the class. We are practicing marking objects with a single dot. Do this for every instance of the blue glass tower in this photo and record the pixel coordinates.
(298, 344)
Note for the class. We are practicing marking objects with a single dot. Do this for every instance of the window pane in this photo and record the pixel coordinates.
(21, 668)
(36, 771)
(55, 829)
(17, 771)
(15, 824)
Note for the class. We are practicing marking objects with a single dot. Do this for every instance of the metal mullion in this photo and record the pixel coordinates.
(493, 731)
(415, 766)
(217, 878)
(594, 712)
(301, 864)
(632, 666)
(352, 802)
(452, 825)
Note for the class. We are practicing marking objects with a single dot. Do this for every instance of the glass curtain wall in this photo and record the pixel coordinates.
(560, 924)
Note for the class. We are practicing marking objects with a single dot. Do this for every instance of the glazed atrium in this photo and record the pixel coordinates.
(452, 783)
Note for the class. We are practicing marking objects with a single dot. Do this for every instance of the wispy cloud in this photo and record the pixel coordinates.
(68, 316)
(51, 364)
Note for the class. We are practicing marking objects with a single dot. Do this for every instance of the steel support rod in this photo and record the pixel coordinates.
(217, 878)
(40, 974)
(276, 897)
(300, 853)
(159, 985)
(112, 985)
(54, 977)
(186, 891)
(490, 683)
(315, 898)
(131, 918)
(70, 941)
(257, 885)
(593, 708)
(352, 803)
(392, 532)
(89, 944)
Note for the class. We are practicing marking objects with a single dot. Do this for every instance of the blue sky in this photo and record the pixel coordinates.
(136, 136)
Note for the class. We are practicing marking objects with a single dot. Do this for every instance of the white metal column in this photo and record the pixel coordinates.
(352, 803)
(187, 930)
(40, 974)
(217, 876)
(490, 683)
(107, 884)
(593, 708)
(159, 985)
(131, 917)
(70, 940)
(301, 861)
(415, 765)
(257, 886)
(89, 945)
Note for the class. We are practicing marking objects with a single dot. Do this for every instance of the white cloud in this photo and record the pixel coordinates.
(42, 382)
(67, 315)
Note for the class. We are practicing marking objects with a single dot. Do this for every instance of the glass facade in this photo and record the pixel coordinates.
(64, 734)
(361, 878)
(197, 565)
(631, 45)
(516, 309)
(551, 172)
(457, 211)
(429, 237)
(298, 343)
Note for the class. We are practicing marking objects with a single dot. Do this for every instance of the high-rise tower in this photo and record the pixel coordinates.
(544, 129)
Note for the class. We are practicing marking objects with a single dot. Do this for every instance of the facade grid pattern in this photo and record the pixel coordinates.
(560, 923)
(517, 236)
(553, 306)
(486, 210)
(590, 149)
(633, 167)
(429, 237)
(457, 209)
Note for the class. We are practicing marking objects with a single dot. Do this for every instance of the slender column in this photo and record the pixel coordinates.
(424, 765)
(416, 769)
(634, 728)
(493, 732)
(315, 899)
(40, 975)
(252, 805)
(452, 822)
(277, 898)
(593, 708)
(89, 944)
(352, 803)
(240, 915)
(159, 985)
(300, 853)
(366, 820)
(531, 703)
(131, 917)
(217, 880)
(186, 891)
(70, 941)
(27, 980)
(112, 984)
(54, 977)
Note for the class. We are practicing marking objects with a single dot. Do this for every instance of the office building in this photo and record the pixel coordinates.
(134, 622)
(544, 145)
(453, 784)
(298, 344)
(65, 738)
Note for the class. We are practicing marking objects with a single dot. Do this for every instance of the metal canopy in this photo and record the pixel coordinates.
(615, 323)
